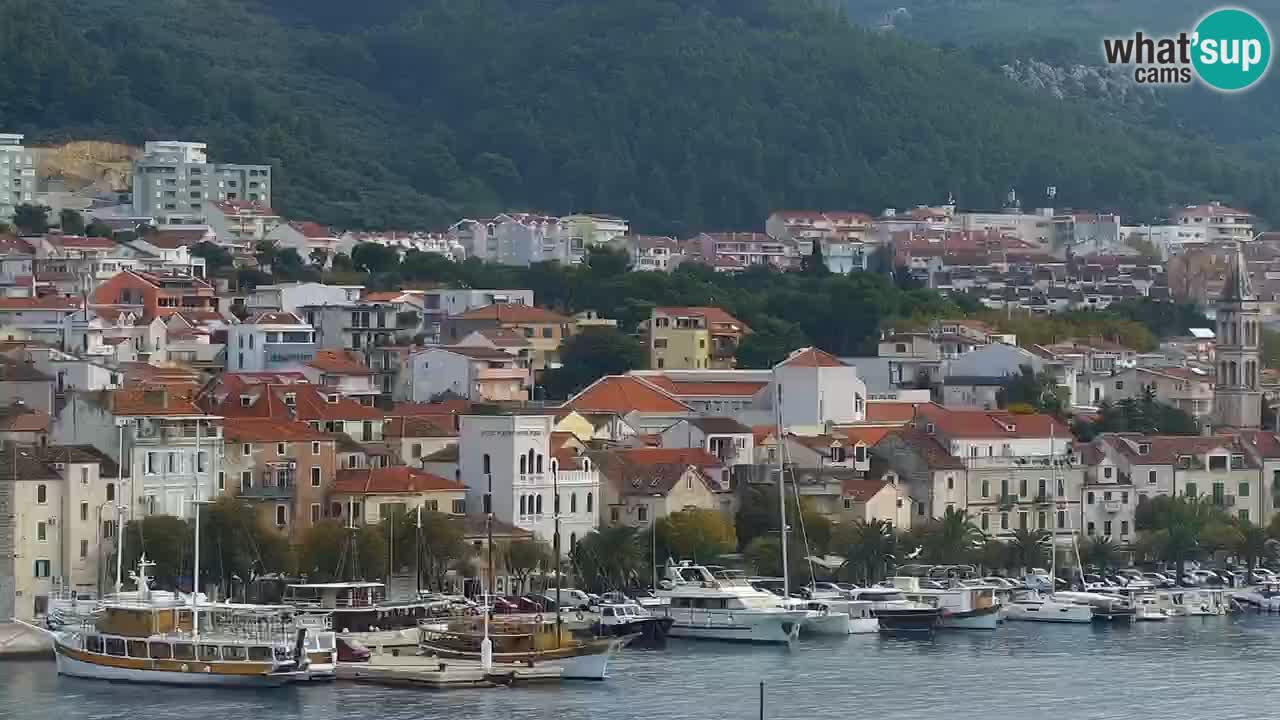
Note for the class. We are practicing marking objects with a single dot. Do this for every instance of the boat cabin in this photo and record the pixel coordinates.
(333, 596)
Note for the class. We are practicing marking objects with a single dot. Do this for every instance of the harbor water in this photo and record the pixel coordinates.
(1221, 667)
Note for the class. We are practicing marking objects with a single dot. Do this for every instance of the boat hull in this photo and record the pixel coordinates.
(73, 667)
(585, 663)
(771, 628)
(1054, 613)
(980, 619)
(648, 631)
(831, 624)
(908, 621)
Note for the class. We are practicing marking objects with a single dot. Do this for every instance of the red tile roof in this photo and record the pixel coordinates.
(311, 230)
(1165, 449)
(668, 456)
(275, 318)
(400, 480)
(811, 357)
(158, 402)
(891, 412)
(704, 388)
(383, 296)
(712, 316)
(19, 419)
(41, 303)
(864, 435)
(622, 394)
(238, 207)
(444, 407)
(862, 490)
(512, 313)
(339, 363)
(266, 394)
(78, 241)
(421, 426)
(991, 424)
(934, 455)
(272, 430)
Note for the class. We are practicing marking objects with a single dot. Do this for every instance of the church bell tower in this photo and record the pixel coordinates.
(1237, 397)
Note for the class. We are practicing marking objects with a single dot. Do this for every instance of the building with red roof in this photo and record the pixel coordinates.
(285, 468)
(154, 295)
(544, 329)
(695, 338)
(369, 496)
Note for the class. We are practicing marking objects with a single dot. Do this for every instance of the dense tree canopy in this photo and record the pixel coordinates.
(680, 115)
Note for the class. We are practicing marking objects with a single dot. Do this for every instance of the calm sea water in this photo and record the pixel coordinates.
(1221, 668)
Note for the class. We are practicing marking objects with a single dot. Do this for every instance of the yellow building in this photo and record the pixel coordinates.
(693, 338)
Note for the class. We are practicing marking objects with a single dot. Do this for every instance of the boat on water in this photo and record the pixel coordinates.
(535, 641)
(724, 606)
(620, 619)
(1031, 606)
(160, 637)
(1147, 607)
(1106, 607)
(960, 606)
(361, 611)
(1206, 602)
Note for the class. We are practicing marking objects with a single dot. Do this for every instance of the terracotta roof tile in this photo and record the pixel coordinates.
(400, 480)
(891, 412)
(419, 427)
(934, 455)
(20, 419)
(622, 394)
(859, 490)
(338, 362)
(40, 303)
(811, 357)
(158, 402)
(865, 435)
(512, 313)
(272, 430)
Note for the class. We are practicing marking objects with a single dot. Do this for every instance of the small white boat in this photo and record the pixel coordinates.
(832, 616)
(1147, 608)
(1204, 602)
(724, 606)
(962, 607)
(1030, 606)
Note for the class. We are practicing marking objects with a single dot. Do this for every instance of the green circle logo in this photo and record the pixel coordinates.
(1231, 49)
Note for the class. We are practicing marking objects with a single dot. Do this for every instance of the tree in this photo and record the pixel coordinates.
(1028, 549)
(71, 221)
(868, 548)
(373, 258)
(443, 546)
(236, 547)
(1038, 390)
(611, 558)
(342, 263)
(522, 558)
(607, 262)
(952, 538)
(697, 534)
(1100, 552)
(1252, 544)
(769, 343)
(31, 219)
(217, 260)
(166, 541)
(287, 265)
(323, 547)
(97, 228)
(993, 555)
(814, 264)
(1180, 524)
(590, 355)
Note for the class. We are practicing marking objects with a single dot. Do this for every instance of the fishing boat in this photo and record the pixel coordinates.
(535, 641)
(961, 607)
(724, 606)
(160, 637)
(360, 611)
(628, 618)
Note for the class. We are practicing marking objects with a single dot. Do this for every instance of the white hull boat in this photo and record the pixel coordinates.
(72, 667)
(780, 626)
(1038, 609)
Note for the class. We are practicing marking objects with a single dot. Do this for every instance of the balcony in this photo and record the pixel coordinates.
(1224, 501)
(1016, 461)
(269, 492)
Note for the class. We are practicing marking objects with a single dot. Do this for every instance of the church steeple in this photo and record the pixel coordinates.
(1237, 396)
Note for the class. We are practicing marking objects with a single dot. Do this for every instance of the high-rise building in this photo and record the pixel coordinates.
(17, 175)
(175, 183)
(1238, 399)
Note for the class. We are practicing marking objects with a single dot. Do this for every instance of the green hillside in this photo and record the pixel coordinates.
(679, 114)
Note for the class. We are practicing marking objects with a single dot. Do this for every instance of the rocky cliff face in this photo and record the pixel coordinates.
(1067, 82)
(103, 165)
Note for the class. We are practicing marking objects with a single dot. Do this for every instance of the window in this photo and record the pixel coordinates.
(415, 450)
(487, 466)
(315, 448)
(246, 450)
(984, 521)
(459, 507)
(42, 494)
(1106, 496)
(1106, 472)
(315, 513)
(538, 503)
(1022, 488)
(1124, 527)
(1106, 527)
(84, 511)
(108, 529)
(1088, 498)
(315, 477)
(1042, 519)
(986, 488)
(281, 449)
(573, 503)
(1151, 477)
(282, 515)
(1124, 498)
(1004, 521)
(222, 480)
(951, 484)
(1090, 528)
(1022, 520)
(41, 569)
(1243, 514)
(111, 492)
(659, 343)
(246, 480)
(1062, 519)
(1217, 462)
(589, 502)
(1244, 490)
(613, 515)
(642, 513)
(42, 531)
(1190, 490)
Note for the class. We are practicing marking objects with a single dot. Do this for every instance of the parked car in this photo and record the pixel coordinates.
(1159, 580)
(1259, 576)
(1200, 577)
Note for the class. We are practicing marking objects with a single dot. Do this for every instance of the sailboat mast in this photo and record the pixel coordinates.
(195, 565)
(782, 488)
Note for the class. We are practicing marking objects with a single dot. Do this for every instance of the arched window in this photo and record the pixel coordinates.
(487, 468)
(573, 502)
(586, 465)
(589, 502)
(530, 461)
(539, 503)
(522, 505)
(111, 492)
(524, 465)
(1235, 373)
(539, 464)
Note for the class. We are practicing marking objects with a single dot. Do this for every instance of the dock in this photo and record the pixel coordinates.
(19, 641)
(436, 674)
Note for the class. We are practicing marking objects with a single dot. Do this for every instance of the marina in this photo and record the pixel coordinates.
(1058, 668)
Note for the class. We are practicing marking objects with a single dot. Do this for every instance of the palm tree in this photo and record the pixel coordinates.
(1182, 522)
(611, 558)
(952, 538)
(868, 546)
(1100, 552)
(1027, 548)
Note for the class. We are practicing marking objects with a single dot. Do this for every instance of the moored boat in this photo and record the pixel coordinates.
(623, 619)
(724, 606)
(1030, 606)
(961, 607)
(536, 641)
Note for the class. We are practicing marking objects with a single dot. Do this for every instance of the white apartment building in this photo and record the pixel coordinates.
(520, 239)
(510, 456)
(288, 297)
(17, 174)
(175, 183)
(441, 304)
(270, 341)
(816, 389)
(1220, 222)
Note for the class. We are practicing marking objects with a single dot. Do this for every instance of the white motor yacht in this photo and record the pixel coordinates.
(724, 606)
(1148, 608)
(963, 607)
(1033, 607)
